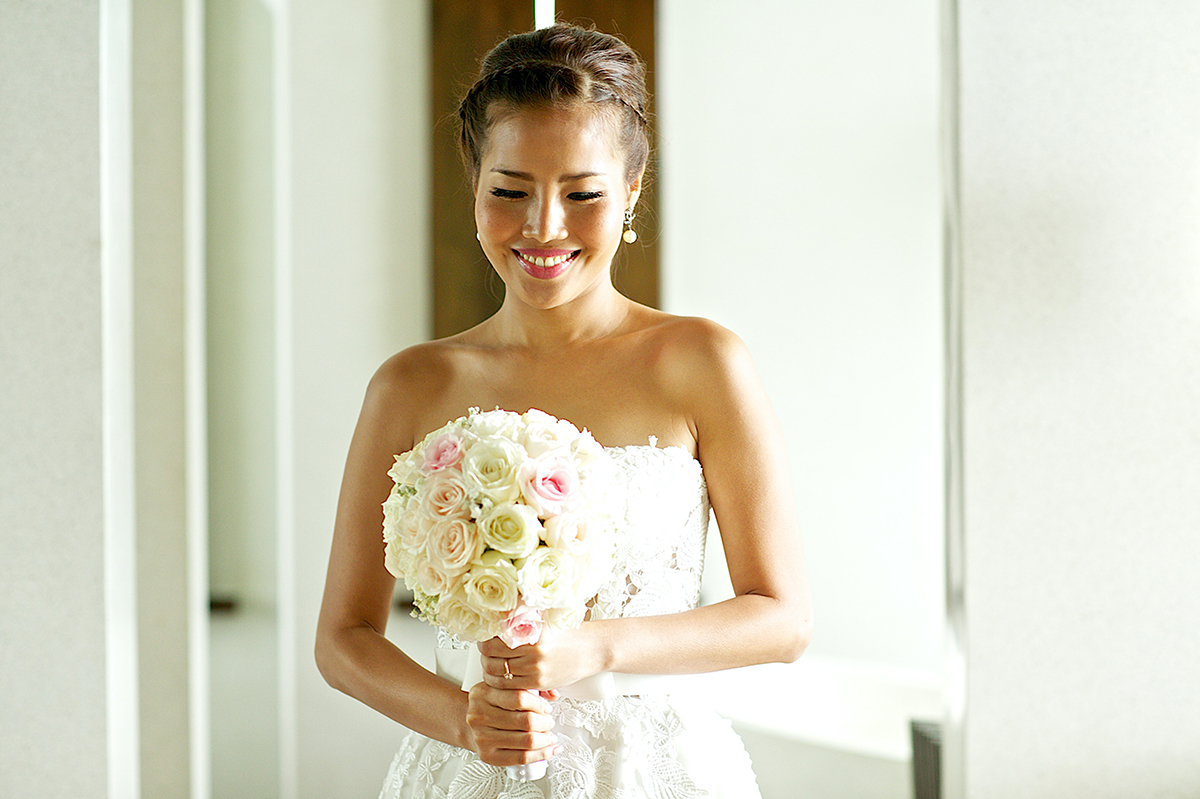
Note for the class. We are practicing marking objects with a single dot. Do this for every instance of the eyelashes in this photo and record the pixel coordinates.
(575, 196)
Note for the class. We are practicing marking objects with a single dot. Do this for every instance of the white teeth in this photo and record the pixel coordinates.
(553, 260)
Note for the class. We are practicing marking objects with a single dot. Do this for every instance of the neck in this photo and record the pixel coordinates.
(590, 316)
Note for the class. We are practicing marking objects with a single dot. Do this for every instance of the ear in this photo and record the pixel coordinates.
(635, 190)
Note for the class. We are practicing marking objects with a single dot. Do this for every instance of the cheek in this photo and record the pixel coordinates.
(492, 216)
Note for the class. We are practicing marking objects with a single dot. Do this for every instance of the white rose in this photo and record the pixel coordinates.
(492, 584)
(490, 469)
(398, 561)
(511, 529)
(571, 532)
(451, 545)
(586, 450)
(565, 618)
(546, 578)
(459, 617)
(542, 433)
(495, 424)
(404, 471)
(595, 569)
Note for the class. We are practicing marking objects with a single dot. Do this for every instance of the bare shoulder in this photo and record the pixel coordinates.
(408, 384)
(697, 355)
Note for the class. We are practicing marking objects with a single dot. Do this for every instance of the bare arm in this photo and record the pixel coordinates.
(770, 617)
(504, 726)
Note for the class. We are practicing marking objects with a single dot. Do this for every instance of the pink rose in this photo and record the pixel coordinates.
(523, 626)
(550, 484)
(443, 452)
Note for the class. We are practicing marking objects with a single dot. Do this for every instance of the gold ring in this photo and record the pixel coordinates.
(507, 674)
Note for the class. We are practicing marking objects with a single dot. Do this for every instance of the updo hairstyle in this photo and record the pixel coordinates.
(558, 66)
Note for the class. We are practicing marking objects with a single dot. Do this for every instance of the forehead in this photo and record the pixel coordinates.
(571, 139)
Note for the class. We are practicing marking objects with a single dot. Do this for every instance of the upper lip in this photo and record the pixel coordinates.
(540, 253)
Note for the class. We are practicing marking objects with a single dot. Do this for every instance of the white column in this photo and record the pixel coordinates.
(95, 613)
(1080, 210)
(53, 621)
(352, 287)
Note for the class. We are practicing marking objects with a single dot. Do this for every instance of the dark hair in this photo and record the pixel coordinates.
(558, 65)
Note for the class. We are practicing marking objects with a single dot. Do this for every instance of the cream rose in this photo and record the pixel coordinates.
(445, 496)
(455, 612)
(435, 581)
(451, 545)
(511, 529)
(546, 578)
(492, 584)
(490, 469)
(411, 532)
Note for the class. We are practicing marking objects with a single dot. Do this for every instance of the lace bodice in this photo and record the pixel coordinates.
(661, 534)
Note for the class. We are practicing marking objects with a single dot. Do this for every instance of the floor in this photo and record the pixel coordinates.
(245, 718)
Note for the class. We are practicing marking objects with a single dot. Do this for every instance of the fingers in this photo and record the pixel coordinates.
(499, 672)
(494, 647)
(510, 727)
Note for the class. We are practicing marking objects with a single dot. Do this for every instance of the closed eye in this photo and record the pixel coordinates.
(584, 196)
(508, 194)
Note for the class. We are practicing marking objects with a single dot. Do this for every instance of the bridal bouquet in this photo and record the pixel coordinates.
(498, 524)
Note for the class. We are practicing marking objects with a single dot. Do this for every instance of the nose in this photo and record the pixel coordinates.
(546, 221)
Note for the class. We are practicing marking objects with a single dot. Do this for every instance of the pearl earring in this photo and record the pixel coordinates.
(630, 235)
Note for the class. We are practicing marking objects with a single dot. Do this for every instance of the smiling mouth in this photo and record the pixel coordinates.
(546, 265)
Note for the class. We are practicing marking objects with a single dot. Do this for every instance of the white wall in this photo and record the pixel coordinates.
(352, 290)
(96, 595)
(52, 610)
(799, 172)
(240, 265)
(1080, 174)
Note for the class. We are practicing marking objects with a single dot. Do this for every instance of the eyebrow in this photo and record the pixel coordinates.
(512, 173)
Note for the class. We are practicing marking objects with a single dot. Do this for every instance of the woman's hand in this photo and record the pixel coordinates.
(510, 727)
(558, 659)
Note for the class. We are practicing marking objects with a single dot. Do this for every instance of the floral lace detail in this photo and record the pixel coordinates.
(447, 641)
(661, 532)
(624, 747)
(612, 749)
(642, 729)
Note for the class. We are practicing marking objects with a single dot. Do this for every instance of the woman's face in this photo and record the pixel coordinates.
(550, 202)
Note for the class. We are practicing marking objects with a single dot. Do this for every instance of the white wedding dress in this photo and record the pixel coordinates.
(624, 736)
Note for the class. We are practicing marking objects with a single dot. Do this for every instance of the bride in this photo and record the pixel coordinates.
(554, 137)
